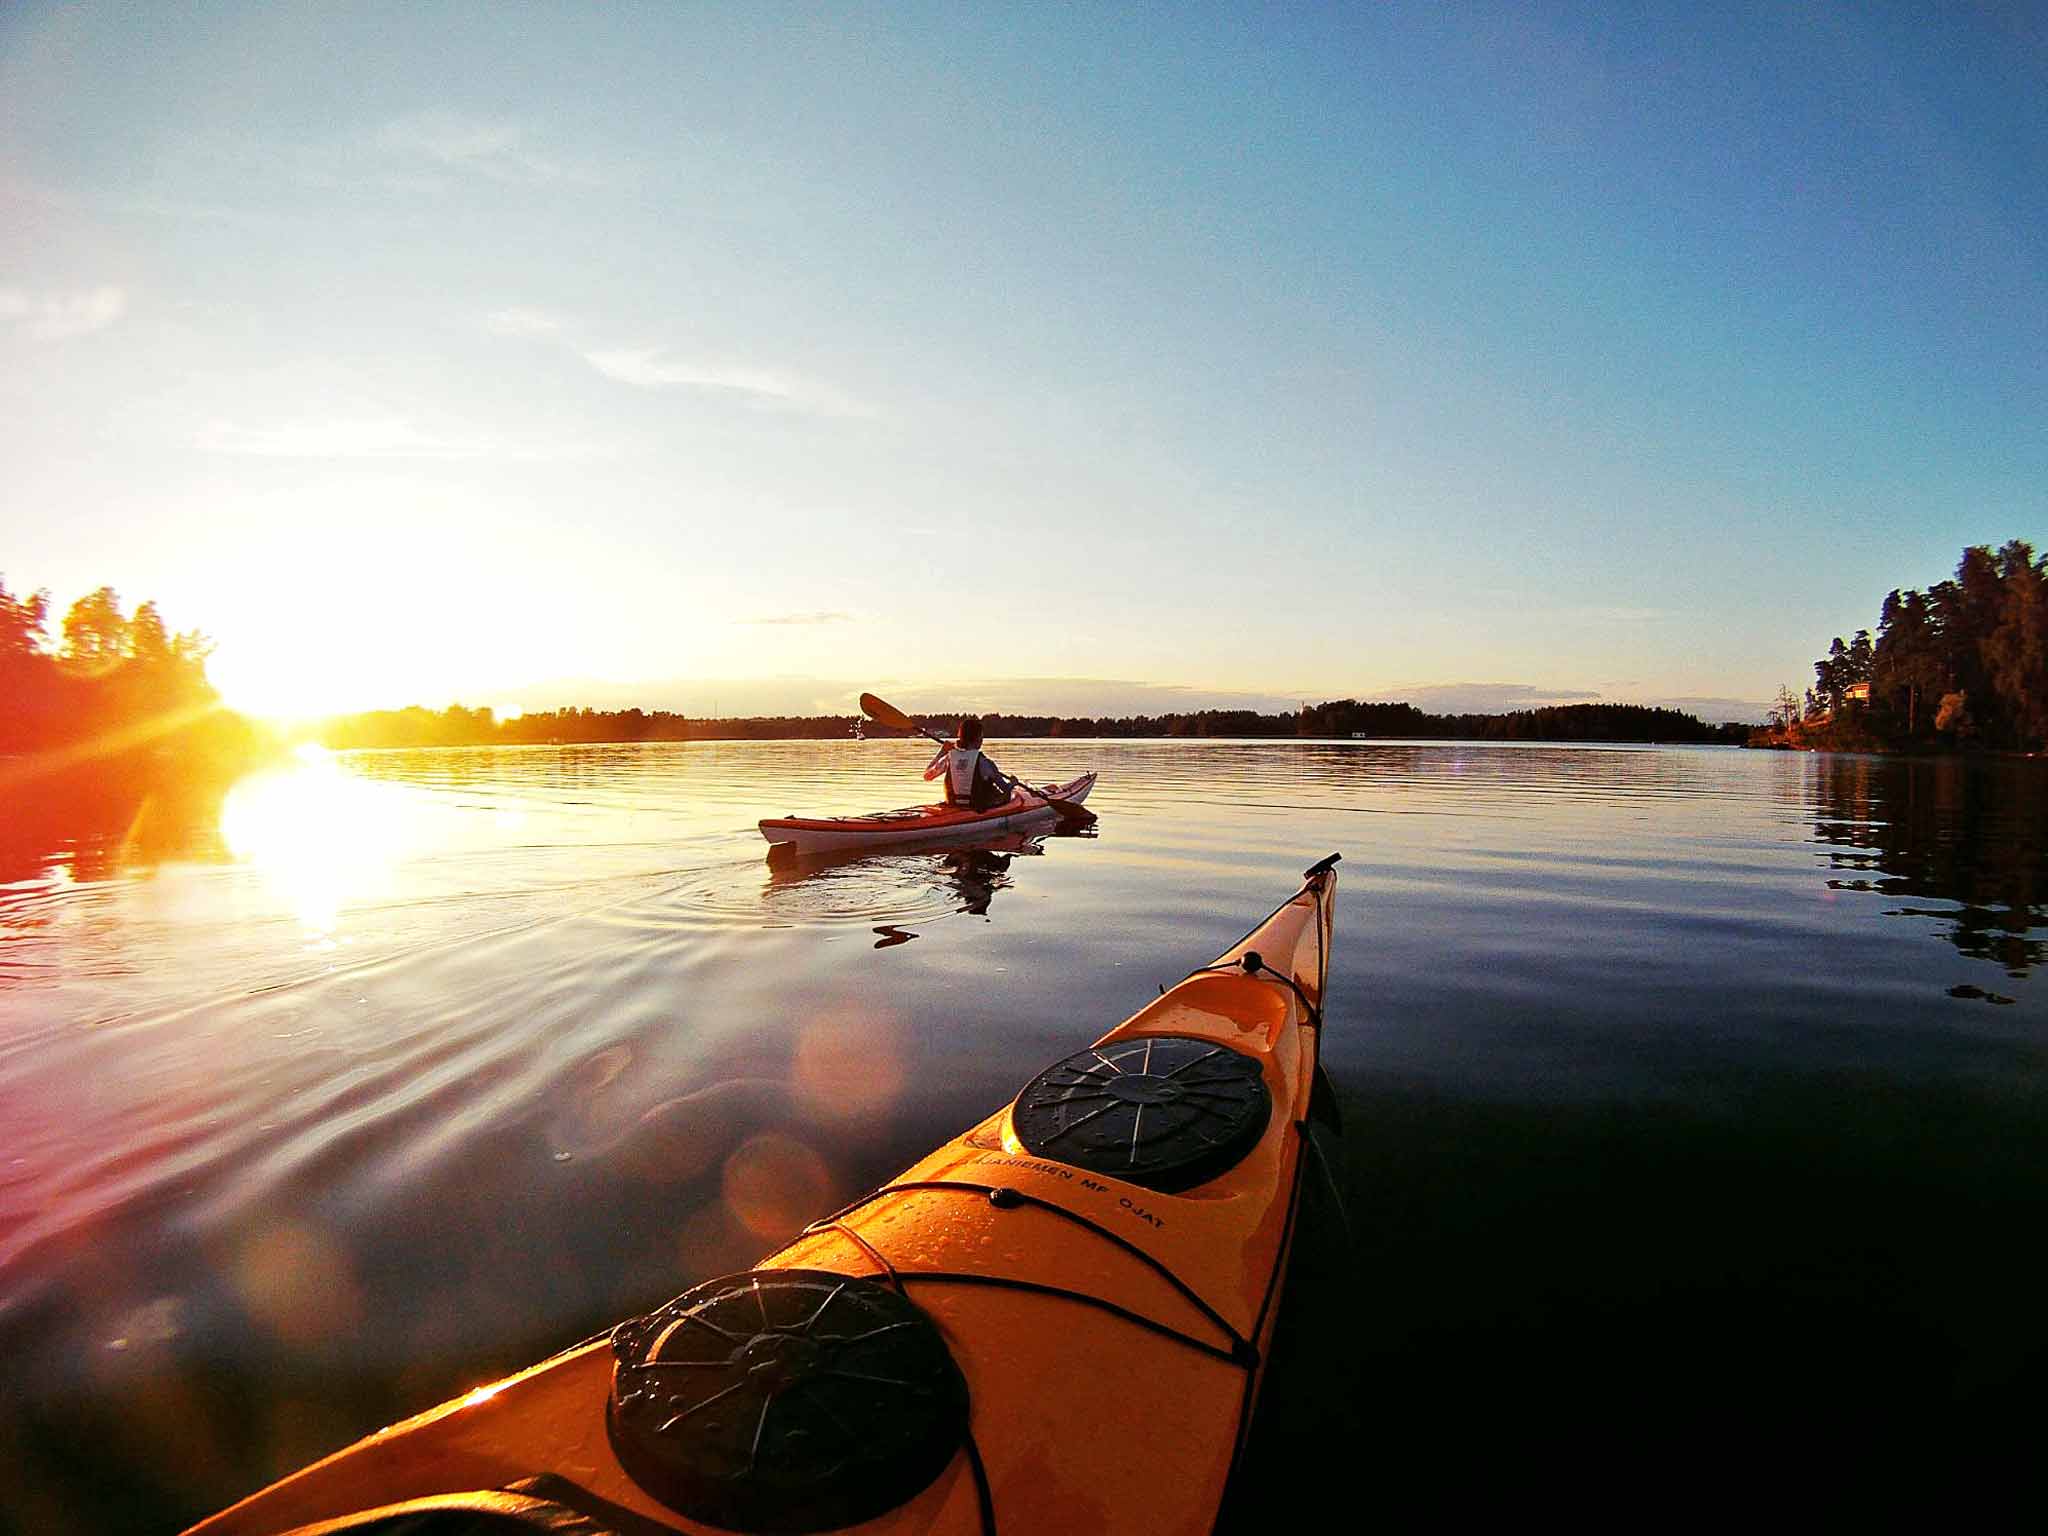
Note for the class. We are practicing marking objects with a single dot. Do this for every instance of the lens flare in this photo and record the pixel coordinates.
(774, 1184)
(848, 1069)
(298, 1282)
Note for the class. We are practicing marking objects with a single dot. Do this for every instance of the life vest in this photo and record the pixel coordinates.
(961, 764)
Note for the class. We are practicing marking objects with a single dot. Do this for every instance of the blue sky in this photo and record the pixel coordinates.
(1102, 357)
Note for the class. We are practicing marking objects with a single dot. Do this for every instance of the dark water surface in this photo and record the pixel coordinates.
(1696, 1100)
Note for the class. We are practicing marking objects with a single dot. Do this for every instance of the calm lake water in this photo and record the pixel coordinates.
(1696, 1100)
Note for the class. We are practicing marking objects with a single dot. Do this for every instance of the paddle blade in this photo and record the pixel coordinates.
(885, 713)
(1070, 814)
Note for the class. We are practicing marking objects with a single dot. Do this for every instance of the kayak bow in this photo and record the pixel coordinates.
(1057, 1321)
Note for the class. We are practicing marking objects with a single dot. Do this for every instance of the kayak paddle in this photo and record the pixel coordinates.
(885, 713)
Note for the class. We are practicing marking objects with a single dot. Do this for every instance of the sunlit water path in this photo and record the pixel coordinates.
(412, 1066)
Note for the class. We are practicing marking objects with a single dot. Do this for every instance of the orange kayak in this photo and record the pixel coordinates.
(1056, 1322)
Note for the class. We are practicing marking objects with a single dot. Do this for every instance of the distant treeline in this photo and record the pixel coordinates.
(1552, 722)
(1963, 663)
(459, 726)
(122, 686)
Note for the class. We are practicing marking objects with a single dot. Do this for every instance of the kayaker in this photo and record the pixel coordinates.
(972, 778)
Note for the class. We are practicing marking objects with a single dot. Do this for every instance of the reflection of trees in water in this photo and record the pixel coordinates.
(105, 820)
(1972, 832)
(114, 749)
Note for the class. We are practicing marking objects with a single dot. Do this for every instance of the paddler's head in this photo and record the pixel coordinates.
(970, 731)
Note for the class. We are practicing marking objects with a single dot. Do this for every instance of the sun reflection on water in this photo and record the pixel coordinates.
(322, 838)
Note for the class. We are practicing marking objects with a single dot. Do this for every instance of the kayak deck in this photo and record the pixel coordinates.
(1102, 1294)
(824, 834)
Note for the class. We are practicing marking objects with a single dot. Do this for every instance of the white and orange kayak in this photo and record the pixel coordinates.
(921, 823)
(1057, 1322)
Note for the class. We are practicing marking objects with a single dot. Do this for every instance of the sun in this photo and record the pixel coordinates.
(321, 675)
(271, 685)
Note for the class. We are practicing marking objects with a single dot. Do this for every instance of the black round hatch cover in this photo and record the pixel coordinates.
(785, 1400)
(1165, 1111)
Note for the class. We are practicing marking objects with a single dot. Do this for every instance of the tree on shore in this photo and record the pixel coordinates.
(1966, 659)
(95, 633)
(1907, 663)
(1835, 673)
(21, 624)
(112, 676)
(1786, 712)
(2016, 650)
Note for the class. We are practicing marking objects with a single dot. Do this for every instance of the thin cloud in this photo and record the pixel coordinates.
(1481, 698)
(522, 322)
(655, 368)
(1716, 709)
(659, 368)
(422, 154)
(1082, 696)
(387, 437)
(1611, 615)
(496, 148)
(814, 616)
(808, 694)
(59, 316)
